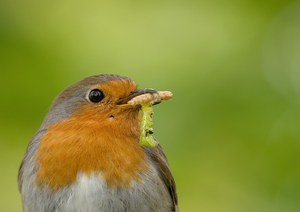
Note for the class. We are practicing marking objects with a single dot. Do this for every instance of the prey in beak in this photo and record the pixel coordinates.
(146, 98)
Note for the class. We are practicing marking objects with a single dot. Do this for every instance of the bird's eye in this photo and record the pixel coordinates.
(96, 96)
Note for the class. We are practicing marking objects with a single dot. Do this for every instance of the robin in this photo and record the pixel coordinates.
(87, 155)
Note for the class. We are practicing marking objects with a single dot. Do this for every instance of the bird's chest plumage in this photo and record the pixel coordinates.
(79, 145)
(94, 170)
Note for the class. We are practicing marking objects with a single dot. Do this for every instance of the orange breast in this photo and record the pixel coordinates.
(100, 145)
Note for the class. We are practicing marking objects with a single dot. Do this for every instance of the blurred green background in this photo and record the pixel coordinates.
(232, 132)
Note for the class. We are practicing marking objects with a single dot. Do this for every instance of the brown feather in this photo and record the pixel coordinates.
(158, 156)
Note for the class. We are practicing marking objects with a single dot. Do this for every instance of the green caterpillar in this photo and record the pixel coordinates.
(146, 135)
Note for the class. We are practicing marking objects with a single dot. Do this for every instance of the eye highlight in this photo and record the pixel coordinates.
(96, 96)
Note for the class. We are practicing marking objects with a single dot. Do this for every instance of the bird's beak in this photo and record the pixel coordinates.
(135, 94)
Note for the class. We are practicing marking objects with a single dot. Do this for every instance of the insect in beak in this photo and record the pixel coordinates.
(142, 96)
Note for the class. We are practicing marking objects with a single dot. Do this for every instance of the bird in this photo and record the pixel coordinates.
(86, 155)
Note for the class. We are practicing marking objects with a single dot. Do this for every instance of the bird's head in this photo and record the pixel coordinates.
(101, 98)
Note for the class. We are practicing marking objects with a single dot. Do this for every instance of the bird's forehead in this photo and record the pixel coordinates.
(116, 88)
